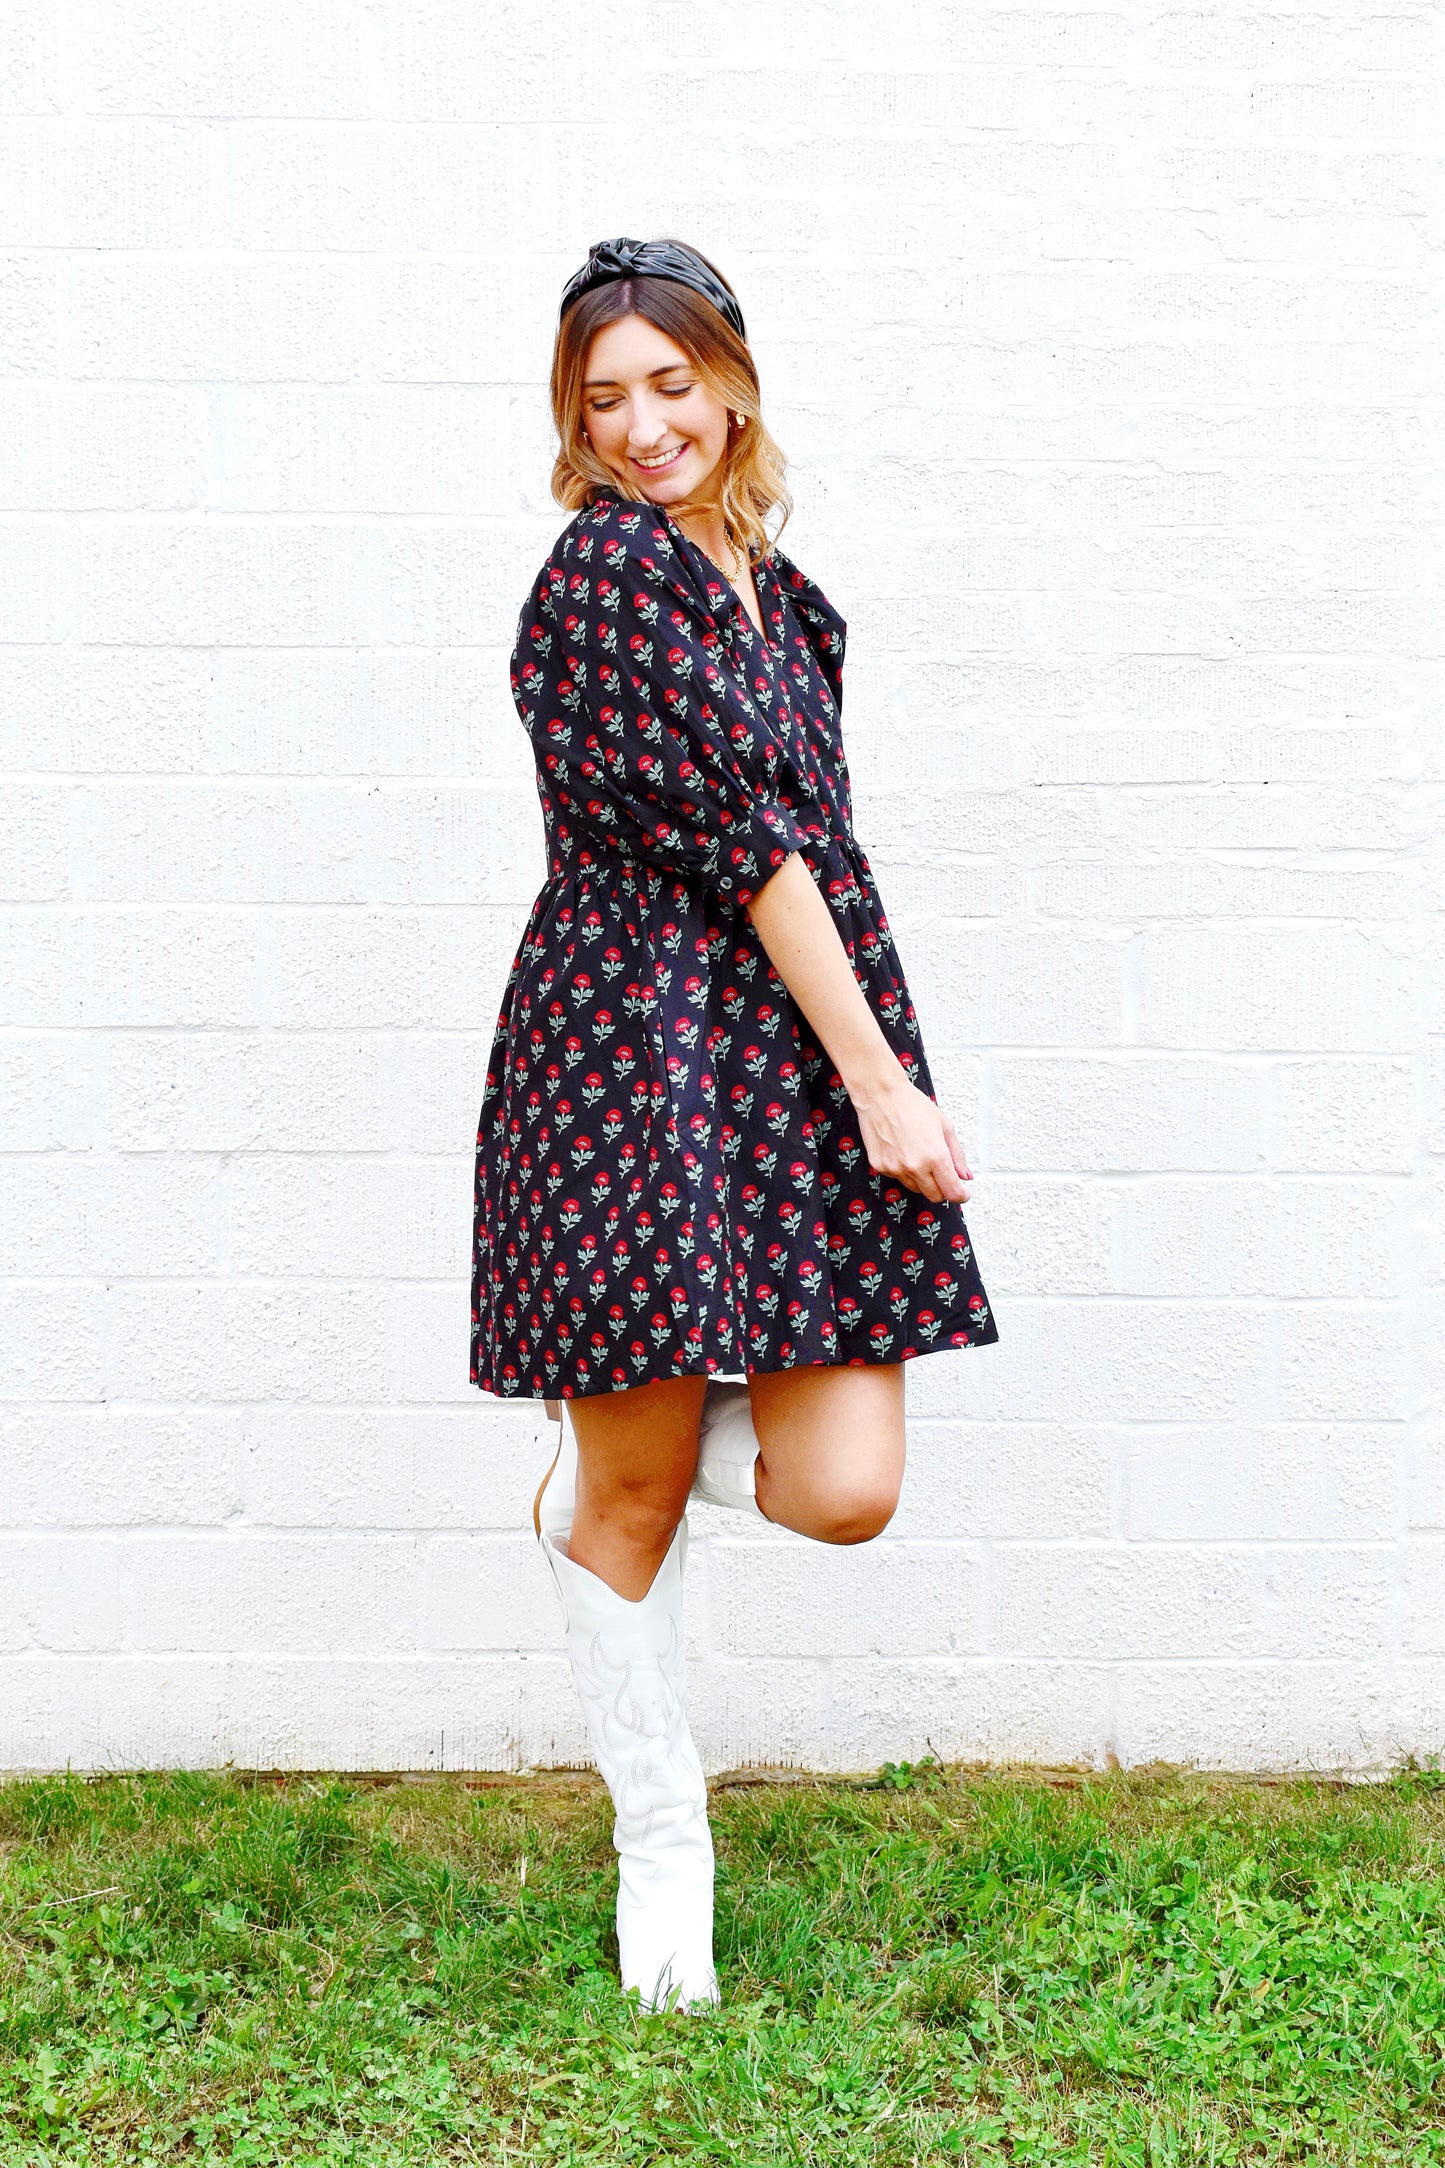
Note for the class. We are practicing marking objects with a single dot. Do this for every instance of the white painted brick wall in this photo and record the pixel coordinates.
(1105, 342)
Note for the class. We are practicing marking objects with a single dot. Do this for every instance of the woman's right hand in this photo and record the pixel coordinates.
(908, 1136)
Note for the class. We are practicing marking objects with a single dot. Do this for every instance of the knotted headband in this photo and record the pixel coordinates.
(624, 259)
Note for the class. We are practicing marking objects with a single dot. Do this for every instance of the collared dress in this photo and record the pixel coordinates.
(670, 1176)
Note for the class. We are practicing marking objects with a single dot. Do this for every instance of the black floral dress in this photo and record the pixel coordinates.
(670, 1179)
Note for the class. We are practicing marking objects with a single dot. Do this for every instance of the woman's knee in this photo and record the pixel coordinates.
(832, 1450)
(853, 1512)
(642, 1509)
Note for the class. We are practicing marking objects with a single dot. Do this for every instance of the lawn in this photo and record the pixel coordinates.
(936, 1966)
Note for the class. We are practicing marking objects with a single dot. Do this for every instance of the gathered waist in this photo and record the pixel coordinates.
(608, 868)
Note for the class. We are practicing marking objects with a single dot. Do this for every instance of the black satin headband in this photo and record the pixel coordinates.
(624, 259)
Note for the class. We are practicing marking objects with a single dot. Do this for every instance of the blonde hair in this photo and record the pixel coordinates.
(751, 486)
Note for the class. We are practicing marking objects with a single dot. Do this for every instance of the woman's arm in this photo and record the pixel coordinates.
(904, 1133)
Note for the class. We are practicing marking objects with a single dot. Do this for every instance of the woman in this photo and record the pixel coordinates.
(708, 1148)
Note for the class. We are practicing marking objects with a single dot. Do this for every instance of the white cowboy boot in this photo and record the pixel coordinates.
(628, 1666)
(727, 1451)
(557, 1492)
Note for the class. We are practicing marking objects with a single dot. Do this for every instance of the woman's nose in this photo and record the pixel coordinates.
(645, 429)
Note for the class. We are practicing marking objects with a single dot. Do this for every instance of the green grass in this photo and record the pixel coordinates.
(940, 1967)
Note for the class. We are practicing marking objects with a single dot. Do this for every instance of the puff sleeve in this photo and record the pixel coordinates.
(640, 717)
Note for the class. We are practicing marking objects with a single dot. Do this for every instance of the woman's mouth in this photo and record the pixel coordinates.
(658, 462)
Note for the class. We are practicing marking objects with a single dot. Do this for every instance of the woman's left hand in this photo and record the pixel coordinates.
(907, 1135)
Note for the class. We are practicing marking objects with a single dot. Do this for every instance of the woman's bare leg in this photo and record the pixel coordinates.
(636, 1455)
(832, 1441)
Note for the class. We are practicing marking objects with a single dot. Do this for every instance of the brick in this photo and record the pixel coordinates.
(35, 850)
(1313, 1717)
(949, 1383)
(437, 1082)
(60, 1593)
(1357, 1114)
(359, 1712)
(87, 448)
(348, 1217)
(282, 711)
(1432, 1091)
(1267, 990)
(1342, 1360)
(1425, 1476)
(28, 57)
(769, 1709)
(1259, 756)
(438, 322)
(1302, 40)
(74, 183)
(1214, 1235)
(113, 1712)
(1042, 1237)
(229, 1091)
(38, 580)
(1191, 1601)
(426, 1335)
(1291, 1482)
(1424, 1623)
(257, 62)
(45, 1091)
(175, 1340)
(304, 1594)
(973, 1709)
(1399, 110)
(1142, 1361)
(29, 314)
(109, 1467)
(405, 448)
(479, 845)
(52, 1340)
(402, 969)
(1269, 817)
(128, 968)
(73, 1212)
(227, 321)
(455, 1469)
(1418, 1711)
(1008, 1481)
(919, 895)
(883, 1598)
(1145, 1112)
(232, 843)
(978, 988)
(488, 1593)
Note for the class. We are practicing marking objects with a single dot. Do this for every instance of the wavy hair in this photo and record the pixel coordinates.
(751, 487)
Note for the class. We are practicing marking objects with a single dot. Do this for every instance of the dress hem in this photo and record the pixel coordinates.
(986, 1336)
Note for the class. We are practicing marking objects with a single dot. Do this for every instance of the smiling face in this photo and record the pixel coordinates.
(651, 419)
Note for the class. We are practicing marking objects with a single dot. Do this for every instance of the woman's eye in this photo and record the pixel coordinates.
(677, 391)
(603, 406)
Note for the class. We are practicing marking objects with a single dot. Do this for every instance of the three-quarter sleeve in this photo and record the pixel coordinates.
(641, 718)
